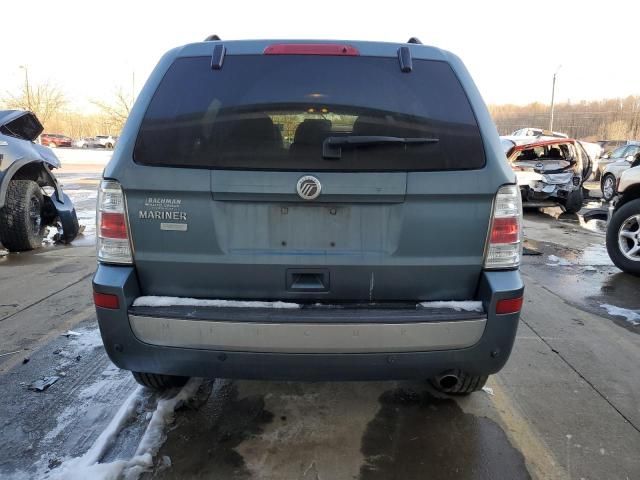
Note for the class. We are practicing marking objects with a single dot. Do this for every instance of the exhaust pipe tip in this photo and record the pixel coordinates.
(448, 381)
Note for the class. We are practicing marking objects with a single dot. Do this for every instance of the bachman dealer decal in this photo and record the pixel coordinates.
(165, 209)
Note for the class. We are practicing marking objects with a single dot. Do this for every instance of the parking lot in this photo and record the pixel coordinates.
(565, 406)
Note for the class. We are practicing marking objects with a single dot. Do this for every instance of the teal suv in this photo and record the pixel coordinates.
(311, 210)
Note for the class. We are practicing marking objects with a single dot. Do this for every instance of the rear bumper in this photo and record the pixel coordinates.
(304, 337)
(540, 199)
(315, 344)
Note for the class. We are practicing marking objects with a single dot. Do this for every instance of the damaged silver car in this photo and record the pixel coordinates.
(550, 171)
(26, 208)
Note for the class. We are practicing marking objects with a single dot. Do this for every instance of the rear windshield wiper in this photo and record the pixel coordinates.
(332, 146)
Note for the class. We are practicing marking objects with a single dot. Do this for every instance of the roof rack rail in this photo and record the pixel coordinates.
(404, 57)
(212, 38)
(217, 57)
(415, 40)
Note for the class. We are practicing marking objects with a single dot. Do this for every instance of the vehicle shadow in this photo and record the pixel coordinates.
(417, 435)
(309, 430)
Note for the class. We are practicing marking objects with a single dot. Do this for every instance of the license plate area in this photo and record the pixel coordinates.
(339, 229)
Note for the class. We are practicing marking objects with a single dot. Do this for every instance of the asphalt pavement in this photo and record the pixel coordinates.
(567, 405)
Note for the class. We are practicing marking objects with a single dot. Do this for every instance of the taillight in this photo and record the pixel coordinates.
(509, 305)
(113, 233)
(505, 239)
(106, 300)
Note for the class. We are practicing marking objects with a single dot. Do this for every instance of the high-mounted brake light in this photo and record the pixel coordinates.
(113, 243)
(311, 49)
(505, 238)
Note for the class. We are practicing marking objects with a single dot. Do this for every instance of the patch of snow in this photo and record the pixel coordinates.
(151, 301)
(70, 333)
(458, 306)
(488, 390)
(84, 339)
(154, 436)
(3, 252)
(70, 413)
(558, 262)
(590, 268)
(110, 371)
(631, 316)
(164, 464)
(87, 465)
(53, 234)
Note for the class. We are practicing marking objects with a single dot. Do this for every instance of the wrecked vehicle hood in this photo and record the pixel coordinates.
(21, 158)
(20, 124)
(18, 131)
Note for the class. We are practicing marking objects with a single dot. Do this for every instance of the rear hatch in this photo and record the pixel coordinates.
(233, 196)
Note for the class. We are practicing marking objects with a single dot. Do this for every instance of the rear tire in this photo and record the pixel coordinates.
(159, 382)
(608, 187)
(573, 202)
(465, 385)
(21, 223)
(621, 216)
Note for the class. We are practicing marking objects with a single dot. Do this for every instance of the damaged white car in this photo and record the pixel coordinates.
(550, 171)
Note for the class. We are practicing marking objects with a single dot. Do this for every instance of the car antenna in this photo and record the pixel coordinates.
(212, 38)
(415, 40)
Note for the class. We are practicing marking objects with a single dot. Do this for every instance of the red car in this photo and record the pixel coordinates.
(54, 140)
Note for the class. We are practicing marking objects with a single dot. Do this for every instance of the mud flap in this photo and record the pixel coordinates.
(67, 214)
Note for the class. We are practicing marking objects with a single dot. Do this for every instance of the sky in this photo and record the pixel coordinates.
(89, 49)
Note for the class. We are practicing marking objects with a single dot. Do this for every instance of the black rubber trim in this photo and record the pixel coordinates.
(309, 314)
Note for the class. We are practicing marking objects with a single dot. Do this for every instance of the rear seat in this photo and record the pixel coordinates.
(309, 137)
(246, 136)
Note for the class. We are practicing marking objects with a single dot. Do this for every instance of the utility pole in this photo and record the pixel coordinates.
(26, 85)
(553, 96)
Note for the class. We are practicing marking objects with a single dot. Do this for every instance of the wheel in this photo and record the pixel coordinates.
(623, 237)
(457, 382)
(159, 382)
(108, 145)
(608, 187)
(52, 145)
(21, 225)
(573, 202)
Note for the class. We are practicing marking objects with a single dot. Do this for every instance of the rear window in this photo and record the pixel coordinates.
(273, 112)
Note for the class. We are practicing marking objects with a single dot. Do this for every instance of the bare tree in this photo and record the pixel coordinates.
(117, 111)
(45, 100)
